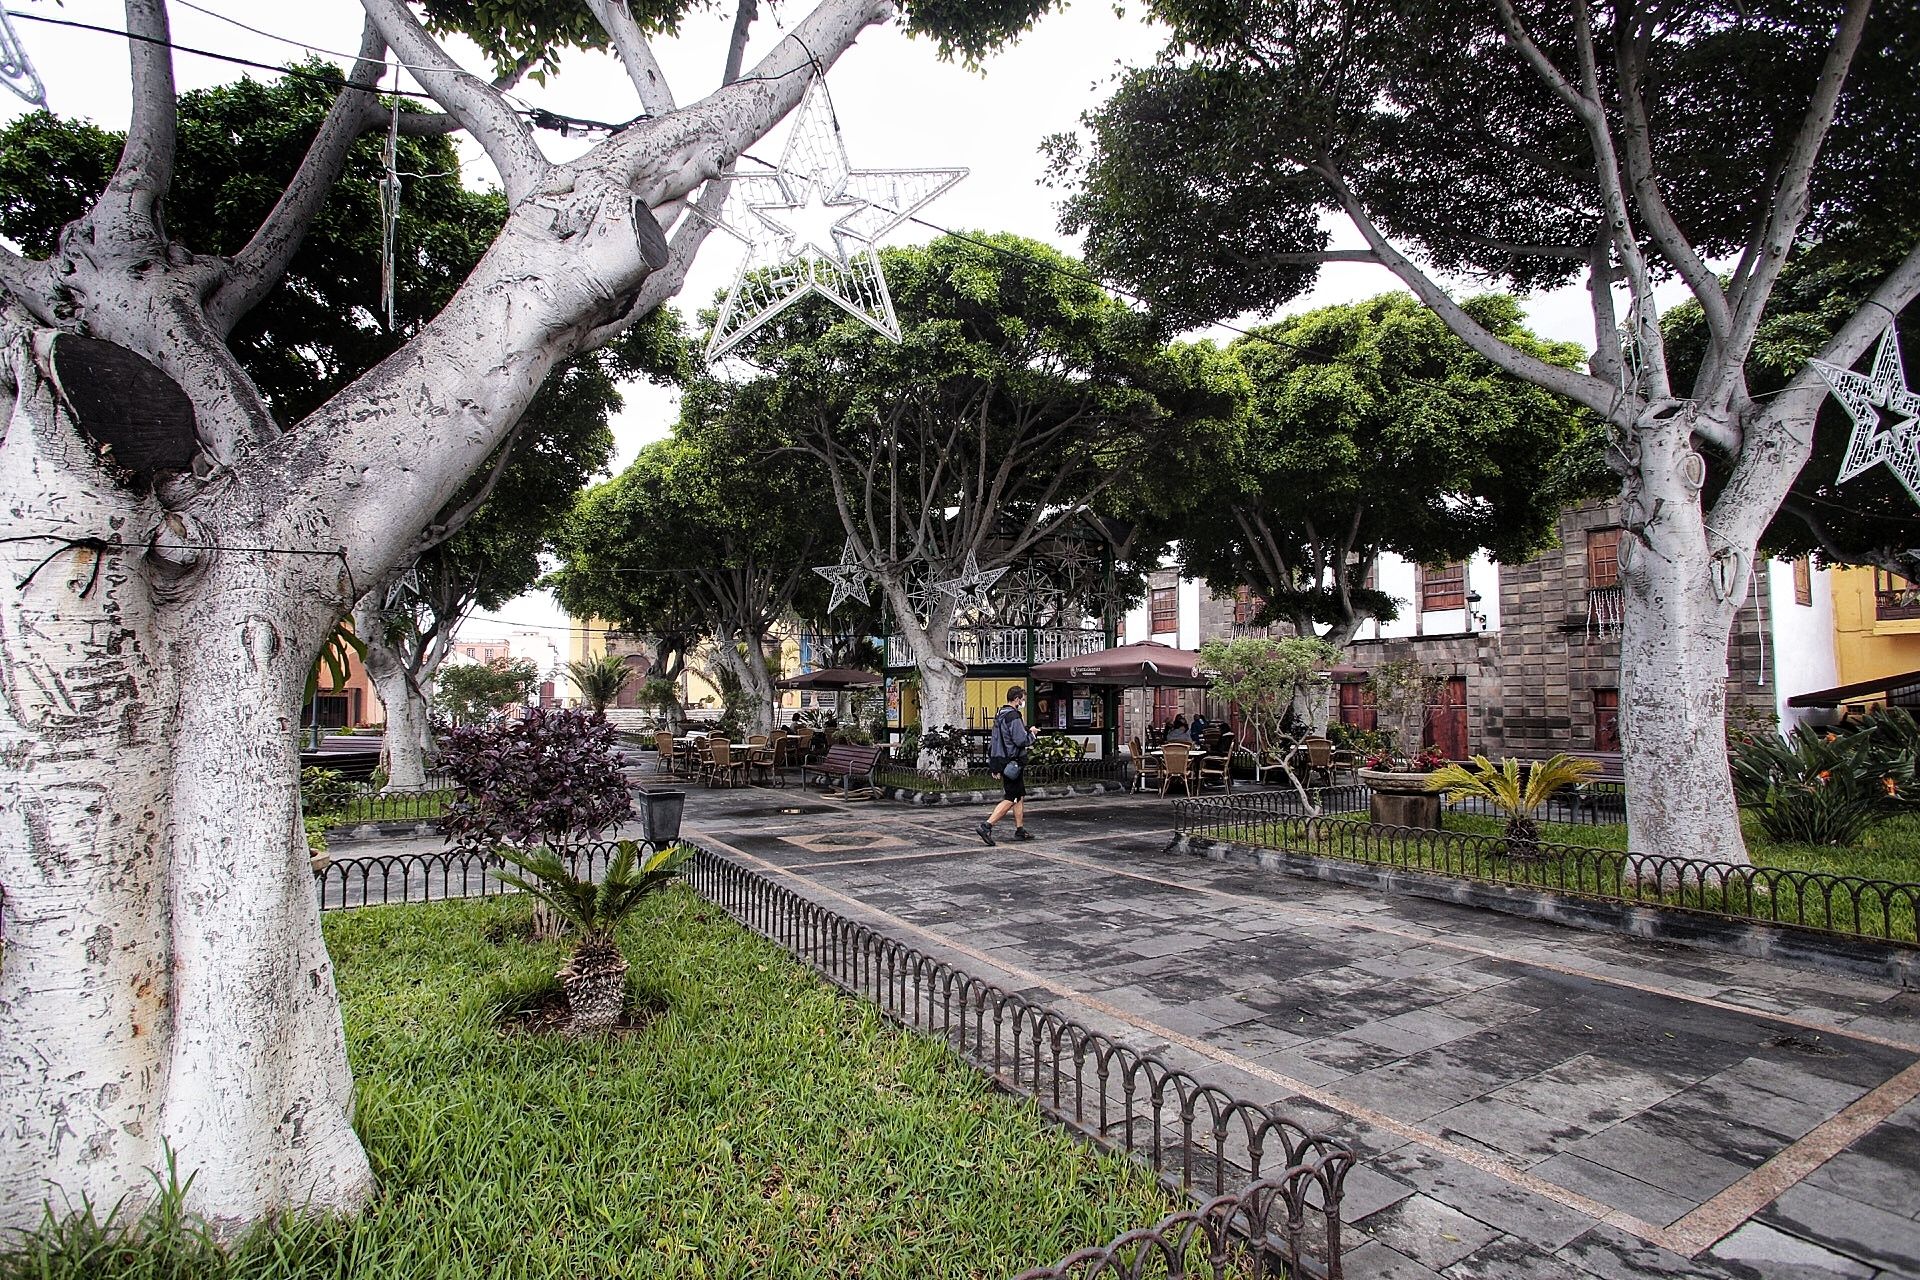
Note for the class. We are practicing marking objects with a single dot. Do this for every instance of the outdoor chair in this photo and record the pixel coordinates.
(723, 764)
(1142, 767)
(1217, 765)
(1319, 759)
(764, 759)
(1174, 767)
(663, 748)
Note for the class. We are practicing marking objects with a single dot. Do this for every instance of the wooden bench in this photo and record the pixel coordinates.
(845, 763)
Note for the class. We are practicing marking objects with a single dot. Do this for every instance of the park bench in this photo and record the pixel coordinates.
(844, 763)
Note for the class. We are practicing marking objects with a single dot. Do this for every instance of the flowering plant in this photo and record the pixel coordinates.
(1429, 759)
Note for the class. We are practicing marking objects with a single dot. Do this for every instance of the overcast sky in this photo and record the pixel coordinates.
(898, 105)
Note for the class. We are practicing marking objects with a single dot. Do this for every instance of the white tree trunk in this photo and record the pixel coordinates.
(1683, 587)
(409, 729)
(164, 984)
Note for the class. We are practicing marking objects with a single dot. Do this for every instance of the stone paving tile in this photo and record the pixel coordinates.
(1775, 1255)
(1611, 1187)
(1433, 1234)
(1371, 1260)
(1887, 1240)
(1659, 1159)
(1542, 1223)
(1591, 1092)
(1515, 1133)
(1510, 1259)
(1612, 1254)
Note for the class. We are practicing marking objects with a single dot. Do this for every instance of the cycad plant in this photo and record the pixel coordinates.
(1502, 787)
(595, 976)
(600, 679)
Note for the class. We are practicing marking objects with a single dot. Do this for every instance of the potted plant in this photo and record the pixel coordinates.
(1400, 791)
(1517, 791)
(595, 975)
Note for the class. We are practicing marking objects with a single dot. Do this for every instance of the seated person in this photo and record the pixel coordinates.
(1178, 731)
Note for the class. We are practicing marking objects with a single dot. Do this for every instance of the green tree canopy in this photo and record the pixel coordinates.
(1370, 427)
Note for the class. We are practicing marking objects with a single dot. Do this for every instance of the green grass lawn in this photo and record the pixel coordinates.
(1890, 851)
(763, 1125)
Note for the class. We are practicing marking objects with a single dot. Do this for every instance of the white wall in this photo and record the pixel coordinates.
(1398, 578)
(1802, 641)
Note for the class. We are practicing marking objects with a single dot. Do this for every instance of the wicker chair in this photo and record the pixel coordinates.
(663, 746)
(1145, 768)
(722, 764)
(1173, 769)
(1217, 765)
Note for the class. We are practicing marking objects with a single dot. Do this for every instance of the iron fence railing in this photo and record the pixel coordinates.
(388, 879)
(1853, 906)
(367, 803)
(1206, 1242)
(1590, 804)
(1199, 1139)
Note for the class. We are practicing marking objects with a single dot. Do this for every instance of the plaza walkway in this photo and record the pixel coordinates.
(1530, 1102)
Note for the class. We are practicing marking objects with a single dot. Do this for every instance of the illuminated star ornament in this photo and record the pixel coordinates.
(813, 226)
(848, 578)
(970, 589)
(1864, 395)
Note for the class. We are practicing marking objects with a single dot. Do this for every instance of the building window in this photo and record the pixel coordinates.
(1606, 719)
(1603, 559)
(1357, 709)
(1165, 608)
(1894, 597)
(1444, 587)
(1246, 606)
(1803, 581)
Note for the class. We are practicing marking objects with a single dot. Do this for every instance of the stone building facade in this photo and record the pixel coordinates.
(1532, 670)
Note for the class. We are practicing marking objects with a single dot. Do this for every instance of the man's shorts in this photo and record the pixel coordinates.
(1013, 787)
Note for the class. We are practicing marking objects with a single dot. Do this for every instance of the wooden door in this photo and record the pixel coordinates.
(1447, 718)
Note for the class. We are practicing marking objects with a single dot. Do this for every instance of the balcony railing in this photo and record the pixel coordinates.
(1893, 601)
(1006, 646)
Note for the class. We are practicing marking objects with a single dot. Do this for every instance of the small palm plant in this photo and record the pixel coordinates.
(595, 976)
(1501, 786)
(600, 679)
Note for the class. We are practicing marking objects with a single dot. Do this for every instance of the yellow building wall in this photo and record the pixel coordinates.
(1864, 646)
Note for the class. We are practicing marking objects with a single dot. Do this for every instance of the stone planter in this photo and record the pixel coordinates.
(1401, 799)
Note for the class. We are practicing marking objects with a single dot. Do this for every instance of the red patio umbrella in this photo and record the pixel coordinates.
(1147, 664)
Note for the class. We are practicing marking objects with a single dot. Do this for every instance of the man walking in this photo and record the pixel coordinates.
(1007, 760)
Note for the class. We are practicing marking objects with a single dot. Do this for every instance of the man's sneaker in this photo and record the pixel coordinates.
(1021, 833)
(985, 832)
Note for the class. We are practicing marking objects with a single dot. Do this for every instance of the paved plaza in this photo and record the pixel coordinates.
(1529, 1101)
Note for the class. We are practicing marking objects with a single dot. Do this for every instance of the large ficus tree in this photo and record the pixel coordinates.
(1370, 427)
(165, 993)
(1021, 394)
(1619, 142)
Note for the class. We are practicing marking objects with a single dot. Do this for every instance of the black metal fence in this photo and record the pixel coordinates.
(972, 774)
(388, 879)
(1590, 804)
(1849, 905)
(1207, 1242)
(1197, 1138)
(367, 803)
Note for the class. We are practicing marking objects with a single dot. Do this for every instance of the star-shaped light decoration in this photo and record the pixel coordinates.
(971, 589)
(16, 71)
(813, 226)
(1030, 597)
(1863, 395)
(404, 588)
(920, 592)
(848, 578)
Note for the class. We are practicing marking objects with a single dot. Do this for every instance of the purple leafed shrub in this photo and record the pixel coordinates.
(552, 778)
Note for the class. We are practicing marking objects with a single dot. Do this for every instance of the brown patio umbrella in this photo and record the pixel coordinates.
(830, 678)
(1144, 665)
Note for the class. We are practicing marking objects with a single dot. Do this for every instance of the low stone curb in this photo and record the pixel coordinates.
(1892, 962)
(906, 795)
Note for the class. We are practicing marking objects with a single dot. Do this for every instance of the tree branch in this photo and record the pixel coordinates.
(128, 211)
(1791, 199)
(446, 527)
(636, 55)
(743, 19)
(259, 266)
(479, 108)
(1648, 198)
(1582, 388)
